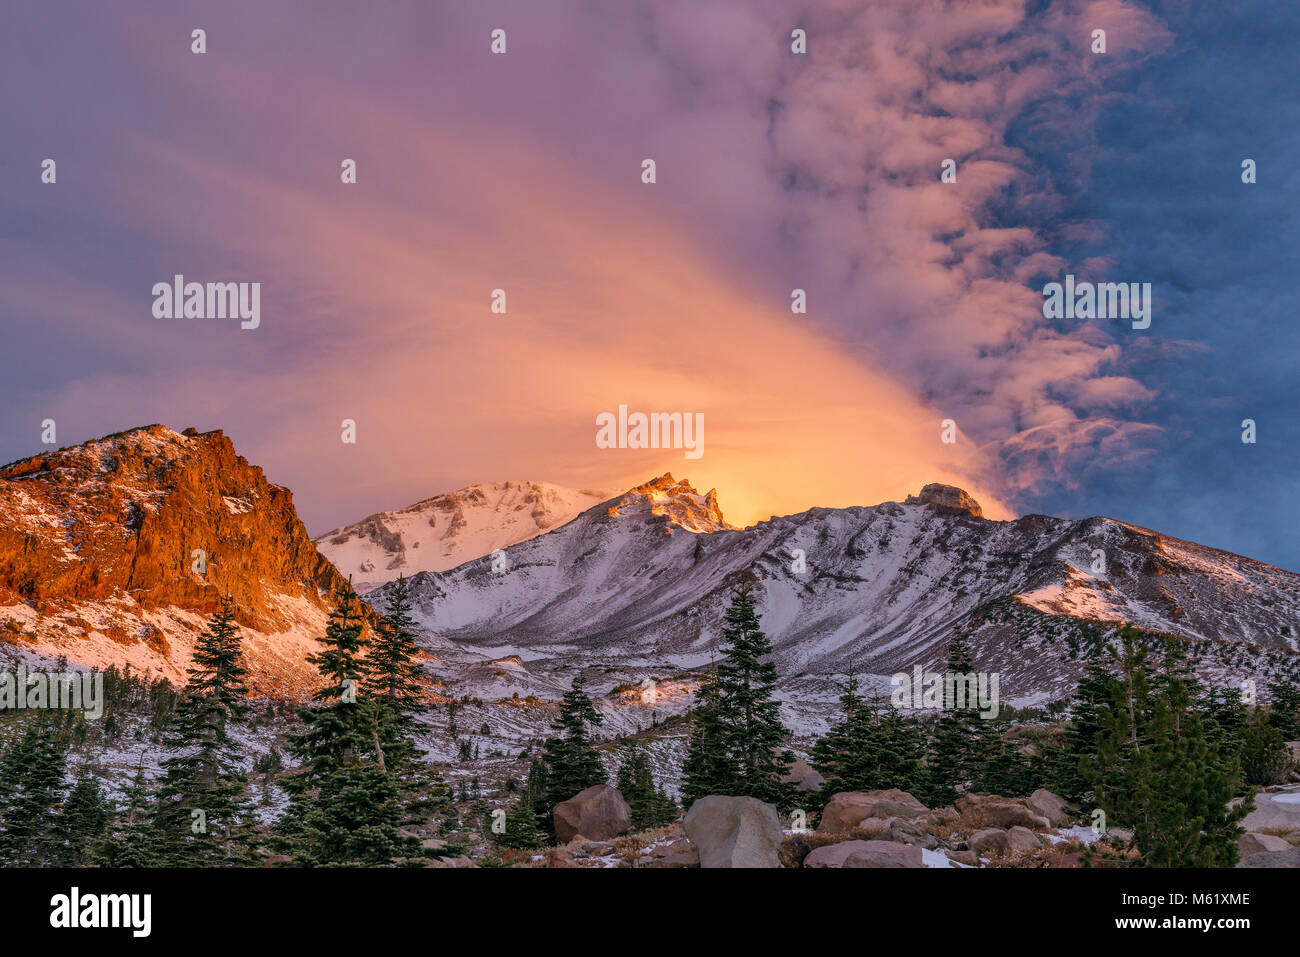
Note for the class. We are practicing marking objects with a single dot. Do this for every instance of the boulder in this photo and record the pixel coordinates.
(997, 811)
(941, 815)
(679, 853)
(848, 808)
(599, 814)
(1250, 843)
(967, 857)
(1023, 839)
(1287, 858)
(734, 832)
(1050, 806)
(903, 831)
(1274, 809)
(990, 842)
(865, 854)
(875, 827)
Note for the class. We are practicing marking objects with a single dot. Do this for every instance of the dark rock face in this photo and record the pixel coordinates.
(947, 496)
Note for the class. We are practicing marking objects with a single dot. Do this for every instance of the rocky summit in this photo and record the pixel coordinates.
(115, 550)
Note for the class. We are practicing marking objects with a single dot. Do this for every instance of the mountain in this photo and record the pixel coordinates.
(98, 550)
(644, 581)
(98, 545)
(448, 530)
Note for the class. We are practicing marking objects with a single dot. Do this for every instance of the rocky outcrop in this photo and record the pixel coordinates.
(122, 516)
(1249, 844)
(1274, 810)
(1050, 806)
(997, 811)
(673, 503)
(947, 497)
(599, 814)
(1287, 858)
(793, 851)
(850, 808)
(734, 832)
(104, 540)
(678, 853)
(865, 854)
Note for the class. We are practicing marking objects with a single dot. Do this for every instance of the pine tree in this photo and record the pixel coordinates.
(708, 768)
(1265, 758)
(649, 805)
(1091, 697)
(83, 821)
(394, 694)
(392, 679)
(202, 816)
(130, 840)
(1225, 717)
(344, 806)
(1006, 771)
(523, 827)
(1284, 713)
(572, 762)
(34, 770)
(1155, 769)
(740, 750)
(866, 750)
(960, 746)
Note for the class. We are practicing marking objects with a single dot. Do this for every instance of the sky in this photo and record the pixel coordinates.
(775, 171)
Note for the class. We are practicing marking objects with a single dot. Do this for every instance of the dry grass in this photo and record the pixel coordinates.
(628, 847)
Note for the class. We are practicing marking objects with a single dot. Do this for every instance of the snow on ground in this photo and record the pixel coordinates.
(939, 859)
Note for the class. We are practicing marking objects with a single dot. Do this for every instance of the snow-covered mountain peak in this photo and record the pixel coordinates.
(676, 501)
(447, 530)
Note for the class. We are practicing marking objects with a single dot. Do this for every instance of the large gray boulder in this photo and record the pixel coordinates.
(1050, 806)
(734, 832)
(865, 854)
(1249, 844)
(599, 814)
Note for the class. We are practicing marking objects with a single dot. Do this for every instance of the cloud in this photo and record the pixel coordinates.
(521, 172)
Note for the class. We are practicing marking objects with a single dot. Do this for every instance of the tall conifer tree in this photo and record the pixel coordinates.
(572, 761)
(202, 816)
(737, 742)
(344, 807)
